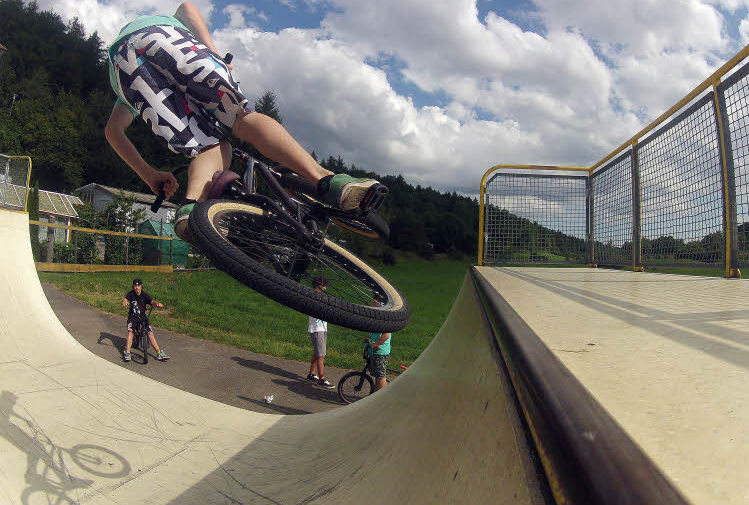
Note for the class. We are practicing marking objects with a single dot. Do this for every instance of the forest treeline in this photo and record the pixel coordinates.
(55, 100)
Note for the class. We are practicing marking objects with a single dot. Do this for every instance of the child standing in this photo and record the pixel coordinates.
(318, 333)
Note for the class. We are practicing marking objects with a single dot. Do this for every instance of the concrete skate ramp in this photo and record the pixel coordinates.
(78, 429)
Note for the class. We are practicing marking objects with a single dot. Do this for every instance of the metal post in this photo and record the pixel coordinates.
(161, 242)
(5, 180)
(636, 210)
(728, 176)
(589, 243)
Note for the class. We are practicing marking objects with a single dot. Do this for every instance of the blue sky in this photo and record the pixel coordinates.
(441, 91)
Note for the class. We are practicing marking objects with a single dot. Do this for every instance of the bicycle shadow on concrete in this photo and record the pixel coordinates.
(289, 411)
(295, 383)
(116, 341)
(119, 343)
(49, 467)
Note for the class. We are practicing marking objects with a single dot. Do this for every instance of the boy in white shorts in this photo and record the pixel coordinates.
(318, 334)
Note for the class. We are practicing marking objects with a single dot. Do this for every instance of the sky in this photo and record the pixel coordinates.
(440, 91)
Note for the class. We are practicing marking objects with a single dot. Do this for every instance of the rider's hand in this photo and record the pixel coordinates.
(163, 180)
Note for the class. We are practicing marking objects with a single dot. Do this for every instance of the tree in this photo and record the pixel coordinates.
(266, 104)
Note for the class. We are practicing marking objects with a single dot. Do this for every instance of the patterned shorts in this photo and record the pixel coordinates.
(378, 366)
(166, 75)
(131, 326)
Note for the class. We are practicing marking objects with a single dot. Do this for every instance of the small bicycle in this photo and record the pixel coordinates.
(356, 385)
(140, 329)
(277, 242)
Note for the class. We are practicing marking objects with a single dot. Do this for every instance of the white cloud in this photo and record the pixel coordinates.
(599, 71)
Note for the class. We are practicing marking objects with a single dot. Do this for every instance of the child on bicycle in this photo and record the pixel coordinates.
(318, 333)
(165, 69)
(380, 343)
(137, 299)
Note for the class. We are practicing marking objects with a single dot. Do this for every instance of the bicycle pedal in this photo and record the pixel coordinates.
(374, 198)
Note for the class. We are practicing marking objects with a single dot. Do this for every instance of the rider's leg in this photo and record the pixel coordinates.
(313, 365)
(129, 340)
(380, 382)
(321, 367)
(202, 168)
(154, 344)
(272, 139)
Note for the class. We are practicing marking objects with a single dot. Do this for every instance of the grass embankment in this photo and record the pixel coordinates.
(213, 306)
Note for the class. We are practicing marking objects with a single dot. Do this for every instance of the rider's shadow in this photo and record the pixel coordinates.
(48, 466)
(115, 341)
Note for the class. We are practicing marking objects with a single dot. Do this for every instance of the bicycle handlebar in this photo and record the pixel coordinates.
(156, 205)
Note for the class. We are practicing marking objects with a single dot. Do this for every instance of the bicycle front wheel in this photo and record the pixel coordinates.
(354, 386)
(265, 253)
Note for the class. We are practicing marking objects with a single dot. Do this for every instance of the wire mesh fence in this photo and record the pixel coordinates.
(612, 221)
(534, 218)
(14, 181)
(735, 91)
(676, 194)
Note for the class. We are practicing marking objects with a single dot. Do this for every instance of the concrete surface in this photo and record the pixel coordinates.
(666, 355)
(216, 371)
(76, 428)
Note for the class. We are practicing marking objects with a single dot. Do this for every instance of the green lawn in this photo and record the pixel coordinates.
(213, 306)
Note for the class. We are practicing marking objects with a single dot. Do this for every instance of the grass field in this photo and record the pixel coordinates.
(213, 306)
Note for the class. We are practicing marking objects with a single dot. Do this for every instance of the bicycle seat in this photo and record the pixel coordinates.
(221, 180)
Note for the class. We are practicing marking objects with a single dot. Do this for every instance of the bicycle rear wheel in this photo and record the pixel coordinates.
(266, 253)
(354, 386)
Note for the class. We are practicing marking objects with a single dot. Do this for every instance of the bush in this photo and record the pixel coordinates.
(388, 256)
(454, 255)
(64, 252)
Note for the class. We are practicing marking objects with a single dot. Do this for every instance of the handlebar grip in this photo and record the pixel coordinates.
(156, 205)
(228, 57)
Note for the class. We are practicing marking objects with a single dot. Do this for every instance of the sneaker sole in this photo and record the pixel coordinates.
(182, 230)
(353, 193)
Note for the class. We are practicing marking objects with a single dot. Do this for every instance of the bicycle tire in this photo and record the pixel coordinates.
(354, 386)
(254, 246)
(99, 461)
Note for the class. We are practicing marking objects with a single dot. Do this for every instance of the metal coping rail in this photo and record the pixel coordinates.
(588, 458)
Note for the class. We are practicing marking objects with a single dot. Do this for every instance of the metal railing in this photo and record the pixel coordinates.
(676, 193)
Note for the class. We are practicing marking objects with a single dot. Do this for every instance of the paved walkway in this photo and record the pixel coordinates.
(216, 371)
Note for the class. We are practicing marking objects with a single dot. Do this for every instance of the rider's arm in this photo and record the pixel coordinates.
(125, 303)
(119, 120)
(189, 16)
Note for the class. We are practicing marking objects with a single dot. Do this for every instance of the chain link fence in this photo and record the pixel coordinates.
(675, 194)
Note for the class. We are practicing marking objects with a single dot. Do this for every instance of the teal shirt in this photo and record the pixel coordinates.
(131, 27)
(384, 349)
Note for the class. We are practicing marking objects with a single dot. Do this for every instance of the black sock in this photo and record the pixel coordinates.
(324, 185)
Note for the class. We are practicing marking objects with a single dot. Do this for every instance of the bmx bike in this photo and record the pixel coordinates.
(356, 385)
(267, 230)
(140, 329)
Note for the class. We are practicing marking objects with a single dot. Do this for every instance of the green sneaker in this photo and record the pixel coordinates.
(344, 191)
(181, 227)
